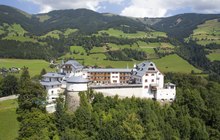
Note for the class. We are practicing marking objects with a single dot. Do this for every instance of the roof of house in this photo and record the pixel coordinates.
(50, 83)
(74, 63)
(53, 74)
(143, 67)
(109, 70)
(77, 79)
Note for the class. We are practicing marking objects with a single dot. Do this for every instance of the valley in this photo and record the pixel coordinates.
(184, 47)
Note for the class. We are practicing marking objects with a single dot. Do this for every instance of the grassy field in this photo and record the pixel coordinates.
(35, 66)
(69, 31)
(21, 38)
(171, 63)
(8, 123)
(174, 63)
(215, 55)
(208, 32)
(139, 34)
(53, 34)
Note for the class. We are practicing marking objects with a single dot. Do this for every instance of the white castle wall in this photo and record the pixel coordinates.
(50, 108)
(166, 94)
(122, 92)
(76, 87)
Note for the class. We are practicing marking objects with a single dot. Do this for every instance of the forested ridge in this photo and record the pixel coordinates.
(195, 114)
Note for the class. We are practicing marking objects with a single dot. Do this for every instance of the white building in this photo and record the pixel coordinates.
(52, 83)
(76, 84)
(152, 81)
(72, 68)
(144, 81)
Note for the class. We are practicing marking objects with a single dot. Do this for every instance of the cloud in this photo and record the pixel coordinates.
(160, 8)
(49, 5)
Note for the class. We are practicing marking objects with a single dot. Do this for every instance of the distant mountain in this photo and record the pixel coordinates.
(88, 21)
(181, 26)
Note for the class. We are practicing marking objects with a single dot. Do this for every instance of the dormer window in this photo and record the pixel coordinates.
(151, 64)
(151, 68)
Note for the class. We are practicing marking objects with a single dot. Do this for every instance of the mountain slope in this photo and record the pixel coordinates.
(181, 26)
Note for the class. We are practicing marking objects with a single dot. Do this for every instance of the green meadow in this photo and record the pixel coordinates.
(34, 66)
(8, 120)
(139, 34)
(170, 63)
(53, 34)
(174, 63)
(208, 32)
(214, 55)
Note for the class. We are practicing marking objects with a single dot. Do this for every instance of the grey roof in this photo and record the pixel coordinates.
(74, 63)
(170, 84)
(76, 79)
(142, 68)
(52, 74)
(50, 83)
(109, 70)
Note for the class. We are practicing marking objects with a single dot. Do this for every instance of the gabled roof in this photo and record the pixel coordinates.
(144, 67)
(74, 63)
(76, 79)
(53, 74)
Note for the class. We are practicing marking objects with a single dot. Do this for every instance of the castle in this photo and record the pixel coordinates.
(143, 81)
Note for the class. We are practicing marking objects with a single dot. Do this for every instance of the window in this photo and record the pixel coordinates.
(146, 87)
(152, 74)
(146, 74)
(152, 80)
(52, 92)
(145, 80)
(151, 69)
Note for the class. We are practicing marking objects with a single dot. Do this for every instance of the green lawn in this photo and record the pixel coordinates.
(35, 66)
(174, 63)
(8, 120)
(215, 55)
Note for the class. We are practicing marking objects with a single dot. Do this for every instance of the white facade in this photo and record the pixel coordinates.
(152, 81)
(76, 84)
(115, 77)
(76, 87)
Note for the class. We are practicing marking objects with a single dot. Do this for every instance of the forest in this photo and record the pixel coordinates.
(195, 114)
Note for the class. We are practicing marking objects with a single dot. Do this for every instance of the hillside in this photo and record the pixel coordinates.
(63, 19)
(120, 39)
(181, 26)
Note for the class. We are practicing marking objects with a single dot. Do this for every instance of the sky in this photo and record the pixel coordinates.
(132, 8)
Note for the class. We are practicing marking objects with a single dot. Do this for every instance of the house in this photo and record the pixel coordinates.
(72, 68)
(152, 80)
(53, 84)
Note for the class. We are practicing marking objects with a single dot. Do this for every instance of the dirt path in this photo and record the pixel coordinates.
(8, 97)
